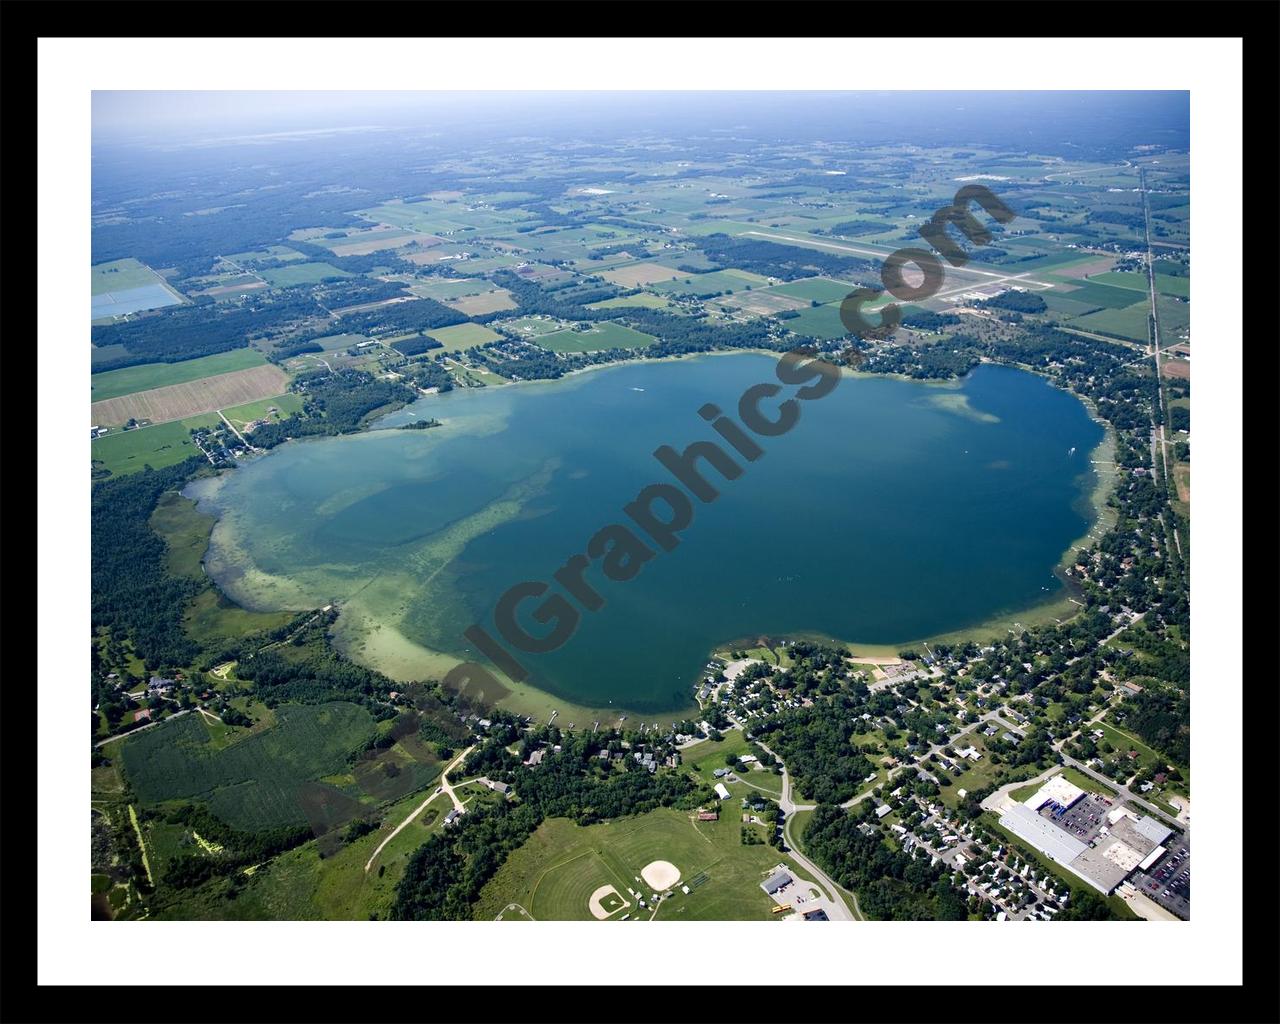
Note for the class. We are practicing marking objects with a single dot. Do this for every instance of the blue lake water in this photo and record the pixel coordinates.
(892, 511)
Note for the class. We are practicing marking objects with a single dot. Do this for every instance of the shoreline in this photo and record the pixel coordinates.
(523, 698)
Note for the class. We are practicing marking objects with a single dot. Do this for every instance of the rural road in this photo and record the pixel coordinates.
(444, 787)
(837, 909)
(141, 728)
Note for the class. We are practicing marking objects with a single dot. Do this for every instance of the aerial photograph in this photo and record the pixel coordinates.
(639, 506)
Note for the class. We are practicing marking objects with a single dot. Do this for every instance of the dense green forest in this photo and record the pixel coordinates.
(334, 403)
(133, 591)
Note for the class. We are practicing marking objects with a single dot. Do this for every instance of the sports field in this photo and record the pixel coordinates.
(114, 383)
(555, 874)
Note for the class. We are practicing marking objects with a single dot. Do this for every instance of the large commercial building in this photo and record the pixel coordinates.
(1126, 844)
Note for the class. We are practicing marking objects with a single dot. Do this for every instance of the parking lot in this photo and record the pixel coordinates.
(1084, 819)
(1169, 881)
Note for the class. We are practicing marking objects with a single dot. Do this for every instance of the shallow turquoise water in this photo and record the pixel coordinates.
(893, 510)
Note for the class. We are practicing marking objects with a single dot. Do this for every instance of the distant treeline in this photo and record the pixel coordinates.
(403, 318)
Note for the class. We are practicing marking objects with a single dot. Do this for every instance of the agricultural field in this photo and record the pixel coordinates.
(126, 381)
(716, 282)
(554, 875)
(121, 276)
(362, 243)
(603, 335)
(819, 289)
(127, 286)
(180, 401)
(266, 780)
(301, 273)
(271, 252)
(462, 336)
(1105, 295)
(639, 274)
(487, 302)
(128, 451)
(818, 322)
(641, 299)
(533, 326)
(448, 288)
(1130, 322)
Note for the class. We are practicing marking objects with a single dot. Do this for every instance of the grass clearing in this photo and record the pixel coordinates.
(640, 299)
(821, 289)
(716, 282)
(554, 874)
(301, 273)
(264, 781)
(463, 336)
(603, 335)
(128, 451)
(283, 405)
(121, 275)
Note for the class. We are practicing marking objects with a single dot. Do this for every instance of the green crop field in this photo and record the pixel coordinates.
(1060, 303)
(127, 451)
(460, 336)
(555, 872)
(301, 273)
(824, 289)
(818, 322)
(131, 379)
(121, 275)
(639, 299)
(443, 290)
(602, 335)
(1130, 322)
(710, 283)
(255, 783)
(1165, 284)
(1105, 295)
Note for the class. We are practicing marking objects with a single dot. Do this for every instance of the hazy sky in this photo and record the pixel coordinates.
(1029, 118)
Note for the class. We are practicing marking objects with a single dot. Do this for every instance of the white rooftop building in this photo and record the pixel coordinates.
(1057, 789)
